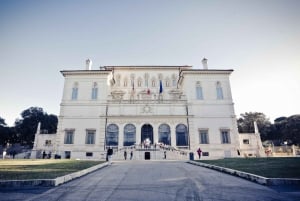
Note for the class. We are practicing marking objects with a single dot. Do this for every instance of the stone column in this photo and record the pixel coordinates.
(173, 135)
(121, 135)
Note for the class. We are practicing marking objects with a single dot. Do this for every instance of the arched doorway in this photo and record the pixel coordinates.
(164, 134)
(147, 132)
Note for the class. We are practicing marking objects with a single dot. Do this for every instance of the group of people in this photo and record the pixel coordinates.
(45, 155)
(110, 153)
(125, 155)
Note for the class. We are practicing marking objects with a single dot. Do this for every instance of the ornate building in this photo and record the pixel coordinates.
(122, 106)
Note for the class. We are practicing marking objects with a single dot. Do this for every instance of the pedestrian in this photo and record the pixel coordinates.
(125, 154)
(131, 155)
(199, 151)
(4, 154)
(165, 154)
(44, 154)
(109, 155)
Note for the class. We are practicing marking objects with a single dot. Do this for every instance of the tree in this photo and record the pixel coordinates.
(287, 129)
(245, 123)
(4, 132)
(26, 127)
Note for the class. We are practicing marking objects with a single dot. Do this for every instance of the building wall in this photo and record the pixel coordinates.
(119, 104)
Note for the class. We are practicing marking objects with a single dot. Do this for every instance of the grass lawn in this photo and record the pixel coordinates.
(41, 169)
(266, 167)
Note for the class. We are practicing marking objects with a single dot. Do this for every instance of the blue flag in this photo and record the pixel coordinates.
(160, 87)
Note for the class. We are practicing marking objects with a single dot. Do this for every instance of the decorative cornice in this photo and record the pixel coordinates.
(84, 72)
(206, 71)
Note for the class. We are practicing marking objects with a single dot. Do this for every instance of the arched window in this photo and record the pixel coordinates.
(199, 93)
(112, 135)
(167, 82)
(118, 78)
(181, 135)
(153, 83)
(129, 135)
(164, 134)
(146, 79)
(95, 91)
(219, 91)
(139, 82)
(174, 80)
(125, 82)
(75, 91)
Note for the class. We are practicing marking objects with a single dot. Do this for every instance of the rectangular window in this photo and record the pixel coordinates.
(225, 137)
(199, 94)
(174, 83)
(203, 137)
(90, 137)
(245, 141)
(48, 142)
(74, 93)
(94, 93)
(69, 137)
(89, 154)
(219, 93)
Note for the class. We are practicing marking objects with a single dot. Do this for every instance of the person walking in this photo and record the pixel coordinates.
(199, 151)
(125, 154)
(131, 155)
(109, 155)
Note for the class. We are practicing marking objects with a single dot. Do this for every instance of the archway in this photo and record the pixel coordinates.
(164, 134)
(181, 135)
(147, 132)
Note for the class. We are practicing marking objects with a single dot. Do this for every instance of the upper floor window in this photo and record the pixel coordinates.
(125, 82)
(219, 91)
(167, 83)
(90, 137)
(174, 83)
(139, 82)
(199, 93)
(95, 91)
(225, 137)
(69, 137)
(153, 83)
(75, 91)
(203, 136)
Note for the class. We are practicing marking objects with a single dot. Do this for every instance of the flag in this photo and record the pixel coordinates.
(160, 87)
(132, 85)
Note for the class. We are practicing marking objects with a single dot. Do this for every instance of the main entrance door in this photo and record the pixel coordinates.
(147, 133)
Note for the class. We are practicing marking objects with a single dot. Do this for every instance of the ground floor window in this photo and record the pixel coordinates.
(90, 137)
(203, 137)
(225, 137)
(69, 137)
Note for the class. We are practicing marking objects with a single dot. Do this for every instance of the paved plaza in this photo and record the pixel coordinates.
(153, 181)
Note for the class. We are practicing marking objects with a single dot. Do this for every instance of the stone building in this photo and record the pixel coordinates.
(179, 107)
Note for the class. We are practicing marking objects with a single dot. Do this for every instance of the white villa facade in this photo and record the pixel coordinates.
(122, 106)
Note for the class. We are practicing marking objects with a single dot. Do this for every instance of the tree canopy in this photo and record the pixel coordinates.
(284, 129)
(25, 128)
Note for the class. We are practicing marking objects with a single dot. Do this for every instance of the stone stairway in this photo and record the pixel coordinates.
(150, 154)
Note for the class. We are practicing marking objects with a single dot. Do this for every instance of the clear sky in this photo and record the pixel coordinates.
(259, 39)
